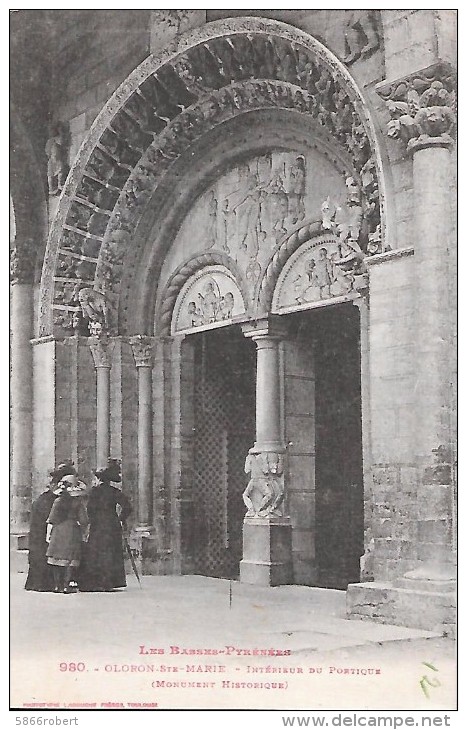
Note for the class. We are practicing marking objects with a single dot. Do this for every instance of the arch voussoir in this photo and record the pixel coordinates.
(225, 69)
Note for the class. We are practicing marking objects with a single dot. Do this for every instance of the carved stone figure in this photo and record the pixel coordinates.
(211, 306)
(56, 152)
(95, 309)
(247, 211)
(423, 116)
(264, 493)
(211, 236)
(296, 197)
(361, 35)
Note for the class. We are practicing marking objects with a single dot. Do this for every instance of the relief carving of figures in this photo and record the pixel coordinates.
(211, 306)
(361, 35)
(57, 165)
(264, 494)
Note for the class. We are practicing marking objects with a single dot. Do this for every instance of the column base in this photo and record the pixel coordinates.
(19, 543)
(417, 604)
(144, 547)
(267, 551)
(19, 540)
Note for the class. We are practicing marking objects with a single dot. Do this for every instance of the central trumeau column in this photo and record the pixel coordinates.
(267, 530)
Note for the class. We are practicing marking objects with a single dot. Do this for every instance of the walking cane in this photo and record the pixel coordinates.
(132, 561)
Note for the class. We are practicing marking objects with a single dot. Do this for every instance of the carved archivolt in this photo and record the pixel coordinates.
(166, 105)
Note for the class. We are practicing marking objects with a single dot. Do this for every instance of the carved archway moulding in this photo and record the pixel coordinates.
(219, 71)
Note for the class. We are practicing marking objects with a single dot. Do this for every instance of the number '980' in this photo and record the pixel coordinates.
(72, 666)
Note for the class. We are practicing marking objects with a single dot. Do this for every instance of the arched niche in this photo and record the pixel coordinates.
(157, 122)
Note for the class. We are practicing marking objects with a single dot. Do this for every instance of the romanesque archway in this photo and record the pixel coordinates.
(153, 122)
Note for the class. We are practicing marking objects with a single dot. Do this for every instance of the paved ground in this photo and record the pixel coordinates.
(86, 648)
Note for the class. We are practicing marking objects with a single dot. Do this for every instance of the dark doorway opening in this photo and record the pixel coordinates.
(329, 456)
(224, 417)
(339, 464)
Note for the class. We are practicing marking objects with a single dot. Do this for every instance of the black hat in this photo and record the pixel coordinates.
(62, 470)
(110, 473)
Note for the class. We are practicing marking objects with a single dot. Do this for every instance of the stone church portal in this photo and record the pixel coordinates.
(233, 269)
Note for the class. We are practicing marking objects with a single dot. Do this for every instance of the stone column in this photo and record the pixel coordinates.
(423, 119)
(267, 529)
(143, 353)
(101, 348)
(21, 407)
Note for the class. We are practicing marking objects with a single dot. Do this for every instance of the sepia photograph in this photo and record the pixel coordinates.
(233, 355)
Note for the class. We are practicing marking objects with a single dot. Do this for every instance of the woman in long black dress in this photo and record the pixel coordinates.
(103, 567)
(40, 577)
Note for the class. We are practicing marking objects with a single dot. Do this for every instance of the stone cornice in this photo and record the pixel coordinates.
(381, 258)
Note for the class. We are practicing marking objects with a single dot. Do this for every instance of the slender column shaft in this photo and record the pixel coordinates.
(21, 403)
(144, 445)
(143, 354)
(103, 415)
(102, 351)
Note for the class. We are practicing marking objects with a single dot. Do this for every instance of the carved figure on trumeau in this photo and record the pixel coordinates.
(57, 168)
(361, 35)
(264, 494)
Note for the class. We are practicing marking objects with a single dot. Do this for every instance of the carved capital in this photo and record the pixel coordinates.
(422, 108)
(265, 492)
(270, 327)
(102, 349)
(143, 350)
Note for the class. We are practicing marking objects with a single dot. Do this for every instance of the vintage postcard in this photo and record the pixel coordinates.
(233, 355)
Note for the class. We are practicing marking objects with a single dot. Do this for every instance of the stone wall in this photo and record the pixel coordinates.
(393, 415)
(299, 420)
(95, 52)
